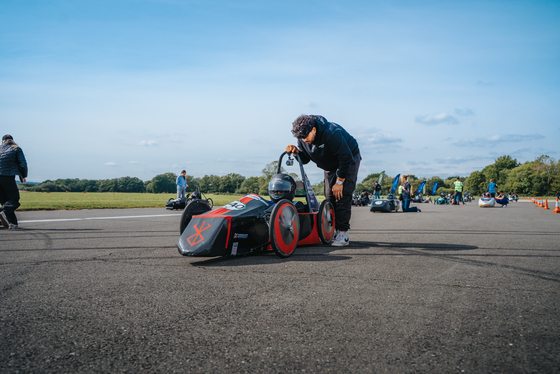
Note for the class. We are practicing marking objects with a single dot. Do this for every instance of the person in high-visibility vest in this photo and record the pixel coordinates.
(458, 192)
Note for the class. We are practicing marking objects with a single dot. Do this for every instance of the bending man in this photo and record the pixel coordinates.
(336, 152)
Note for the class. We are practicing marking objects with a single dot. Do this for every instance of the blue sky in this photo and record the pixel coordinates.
(104, 89)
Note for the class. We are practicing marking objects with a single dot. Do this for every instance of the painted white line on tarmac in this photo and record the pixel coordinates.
(92, 218)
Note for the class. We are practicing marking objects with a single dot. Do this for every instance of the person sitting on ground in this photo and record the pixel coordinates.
(502, 199)
(364, 198)
(428, 199)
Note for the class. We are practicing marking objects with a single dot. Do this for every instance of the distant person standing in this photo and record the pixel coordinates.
(377, 190)
(181, 184)
(406, 198)
(458, 191)
(12, 163)
(492, 188)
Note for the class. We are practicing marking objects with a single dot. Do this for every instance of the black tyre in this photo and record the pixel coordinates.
(210, 203)
(193, 208)
(284, 228)
(325, 222)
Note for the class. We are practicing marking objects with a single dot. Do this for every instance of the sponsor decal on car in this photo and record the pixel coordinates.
(236, 205)
(240, 236)
(197, 238)
(234, 248)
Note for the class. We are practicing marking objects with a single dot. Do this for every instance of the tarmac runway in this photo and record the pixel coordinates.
(451, 289)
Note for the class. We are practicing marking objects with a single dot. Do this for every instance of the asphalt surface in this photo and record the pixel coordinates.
(451, 289)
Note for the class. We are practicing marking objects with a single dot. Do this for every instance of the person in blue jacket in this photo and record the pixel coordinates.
(181, 184)
(492, 188)
(335, 151)
(12, 163)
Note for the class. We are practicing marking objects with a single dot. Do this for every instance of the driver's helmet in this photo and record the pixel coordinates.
(487, 194)
(196, 195)
(442, 194)
(282, 186)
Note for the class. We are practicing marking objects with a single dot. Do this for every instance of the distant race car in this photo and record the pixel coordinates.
(253, 223)
(391, 203)
(181, 203)
(442, 199)
(486, 201)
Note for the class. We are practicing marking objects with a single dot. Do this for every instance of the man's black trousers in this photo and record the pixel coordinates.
(9, 197)
(342, 207)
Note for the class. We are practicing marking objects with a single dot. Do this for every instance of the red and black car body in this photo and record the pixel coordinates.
(253, 223)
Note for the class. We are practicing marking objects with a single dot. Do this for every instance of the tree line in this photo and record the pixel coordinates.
(165, 183)
(533, 178)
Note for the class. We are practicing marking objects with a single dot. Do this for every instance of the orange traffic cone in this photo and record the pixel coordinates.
(540, 204)
(546, 204)
(557, 209)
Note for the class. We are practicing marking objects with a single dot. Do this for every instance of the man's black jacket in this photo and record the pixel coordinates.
(333, 149)
(12, 161)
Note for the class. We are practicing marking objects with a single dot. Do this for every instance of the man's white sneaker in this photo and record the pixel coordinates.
(341, 240)
(4, 220)
(13, 227)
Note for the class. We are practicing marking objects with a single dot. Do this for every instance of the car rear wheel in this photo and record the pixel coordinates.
(193, 208)
(210, 202)
(284, 228)
(325, 222)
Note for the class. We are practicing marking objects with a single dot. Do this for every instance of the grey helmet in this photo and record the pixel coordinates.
(282, 186)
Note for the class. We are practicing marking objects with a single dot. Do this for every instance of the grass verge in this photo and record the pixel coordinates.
(103, 200)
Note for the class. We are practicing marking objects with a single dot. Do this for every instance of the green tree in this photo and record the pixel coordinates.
(230, 183)
(249, 185)
(163, 183)
(476, 183)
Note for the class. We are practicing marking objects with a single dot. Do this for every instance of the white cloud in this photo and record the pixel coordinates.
(133, 162)
(148, 142)
(461, 160)
(436, 119)
(373, 136)
(496, 139)
(111, 163)
(416, 163)
(464, 112)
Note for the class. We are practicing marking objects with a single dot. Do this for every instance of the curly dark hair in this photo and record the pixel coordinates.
(302, 126)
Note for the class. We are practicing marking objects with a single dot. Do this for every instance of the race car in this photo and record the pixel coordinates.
(442, 199)
(385, 205)
(391, 203)
(253, 223)
(486, 201)
(181, 203)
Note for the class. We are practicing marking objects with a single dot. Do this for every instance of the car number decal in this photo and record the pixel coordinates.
(236, 205)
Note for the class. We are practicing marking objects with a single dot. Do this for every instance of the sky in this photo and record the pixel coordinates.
(107, 89)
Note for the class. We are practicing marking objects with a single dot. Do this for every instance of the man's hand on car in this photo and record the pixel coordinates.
(292, 149)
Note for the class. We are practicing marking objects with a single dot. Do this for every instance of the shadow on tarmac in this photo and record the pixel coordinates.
(402, 249)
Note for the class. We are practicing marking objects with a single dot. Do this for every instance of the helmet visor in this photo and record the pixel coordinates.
(277, 188)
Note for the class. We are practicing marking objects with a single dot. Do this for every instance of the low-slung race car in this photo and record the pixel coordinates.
(253, 223)
(391, 203)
